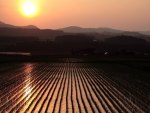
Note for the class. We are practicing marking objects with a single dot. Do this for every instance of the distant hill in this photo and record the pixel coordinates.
(75, 29)
(103, 33)
(7, 30)
(4, 25)
(98, 33)
(42, 34)
(145, 32)
(125, 40)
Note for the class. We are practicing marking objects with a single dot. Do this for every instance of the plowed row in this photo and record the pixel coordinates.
(61, 88)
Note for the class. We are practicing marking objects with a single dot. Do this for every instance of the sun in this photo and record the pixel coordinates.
(29, 9)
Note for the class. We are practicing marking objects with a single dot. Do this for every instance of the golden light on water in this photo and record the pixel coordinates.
(28, 88)
(27, 92)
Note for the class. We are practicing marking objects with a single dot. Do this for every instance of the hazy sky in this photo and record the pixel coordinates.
(119, 14)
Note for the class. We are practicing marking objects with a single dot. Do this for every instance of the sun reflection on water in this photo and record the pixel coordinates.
(28, 86)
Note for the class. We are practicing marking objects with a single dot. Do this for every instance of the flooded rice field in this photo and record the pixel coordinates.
(62, 88)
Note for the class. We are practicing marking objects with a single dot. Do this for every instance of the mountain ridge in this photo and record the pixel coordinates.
(76, 29)
(4, 25)
(99, 33)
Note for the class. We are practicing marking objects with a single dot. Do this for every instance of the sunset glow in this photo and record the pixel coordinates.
(29, 9)
(119, 14)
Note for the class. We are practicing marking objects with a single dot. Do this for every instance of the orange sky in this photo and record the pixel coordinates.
(119, 14)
